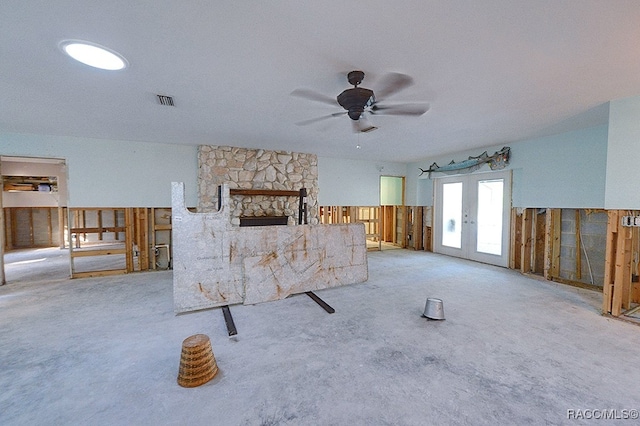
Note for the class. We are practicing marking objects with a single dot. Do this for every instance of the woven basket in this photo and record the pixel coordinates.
(197, 363)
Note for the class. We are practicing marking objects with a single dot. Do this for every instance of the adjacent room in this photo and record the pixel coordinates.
(298, 214)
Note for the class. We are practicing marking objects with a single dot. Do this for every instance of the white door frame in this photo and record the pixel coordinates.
(469, 217)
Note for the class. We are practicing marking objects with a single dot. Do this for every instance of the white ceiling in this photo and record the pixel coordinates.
(492, 71)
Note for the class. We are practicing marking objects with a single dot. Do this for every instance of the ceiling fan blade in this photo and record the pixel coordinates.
(314, 96)
(400, 109)
(392, 83)
(324, 117)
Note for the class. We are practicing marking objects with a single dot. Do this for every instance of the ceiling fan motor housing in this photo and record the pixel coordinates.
(355, 77)
(354, 100)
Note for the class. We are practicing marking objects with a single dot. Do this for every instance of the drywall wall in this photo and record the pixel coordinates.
(560, 171)
(344, 182)
(110, 173)
(565, 171)
(623, 155)
(423, 192)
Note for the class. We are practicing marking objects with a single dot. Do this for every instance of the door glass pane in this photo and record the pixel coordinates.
(452, 214)
(490, 209)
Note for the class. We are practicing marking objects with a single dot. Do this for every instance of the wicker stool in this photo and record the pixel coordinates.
(197, 363)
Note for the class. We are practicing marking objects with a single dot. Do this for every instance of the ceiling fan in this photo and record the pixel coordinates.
(358, 101)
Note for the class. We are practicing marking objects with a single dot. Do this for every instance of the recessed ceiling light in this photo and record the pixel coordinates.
(93, 55)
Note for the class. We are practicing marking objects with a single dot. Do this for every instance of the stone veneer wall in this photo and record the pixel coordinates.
(257, 169)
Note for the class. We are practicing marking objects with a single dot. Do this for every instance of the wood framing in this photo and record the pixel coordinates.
(427, 232)
(400, 226)
(387, 224)
(62, 215)
(578, 246)
(115, 222)
(153, 236)
(552, 243)
(88, 240)
(635, 267)
(613, 219)
(100, 224)
(335, 215)
(618, 293)
(370, 217)
(515, 241)
(129, 238)
(539, 236)
(527, 241)
(99, 252)
(104, 273)
(416, 242)
(622, 282)
(3, 224)
(93, 232)
(30, 227)
(635, 292)
(141, 226)
(160, 236)
(92, 237)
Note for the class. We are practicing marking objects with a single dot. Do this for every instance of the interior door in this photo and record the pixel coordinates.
(472, 216)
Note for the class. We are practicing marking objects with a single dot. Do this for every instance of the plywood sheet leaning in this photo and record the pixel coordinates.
(217, 264)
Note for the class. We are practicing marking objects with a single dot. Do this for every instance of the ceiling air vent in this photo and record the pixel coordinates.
(165, 100)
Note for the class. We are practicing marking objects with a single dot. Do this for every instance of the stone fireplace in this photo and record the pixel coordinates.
(243, 168)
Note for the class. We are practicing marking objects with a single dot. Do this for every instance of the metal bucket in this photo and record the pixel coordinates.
(434, 309)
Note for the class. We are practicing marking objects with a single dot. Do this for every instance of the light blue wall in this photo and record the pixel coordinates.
(108, 173)
(560, 171)
(111, 173)
(623, 155)
(564, 171)
(344, 182)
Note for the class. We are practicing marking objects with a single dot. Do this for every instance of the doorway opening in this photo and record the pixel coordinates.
(34, 197)
(392, 217)
(42, 238)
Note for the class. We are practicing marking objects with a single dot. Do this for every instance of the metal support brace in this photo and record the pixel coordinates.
(320, 302)
(228, 319)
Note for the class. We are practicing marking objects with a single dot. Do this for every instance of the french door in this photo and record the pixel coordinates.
(472, 215)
